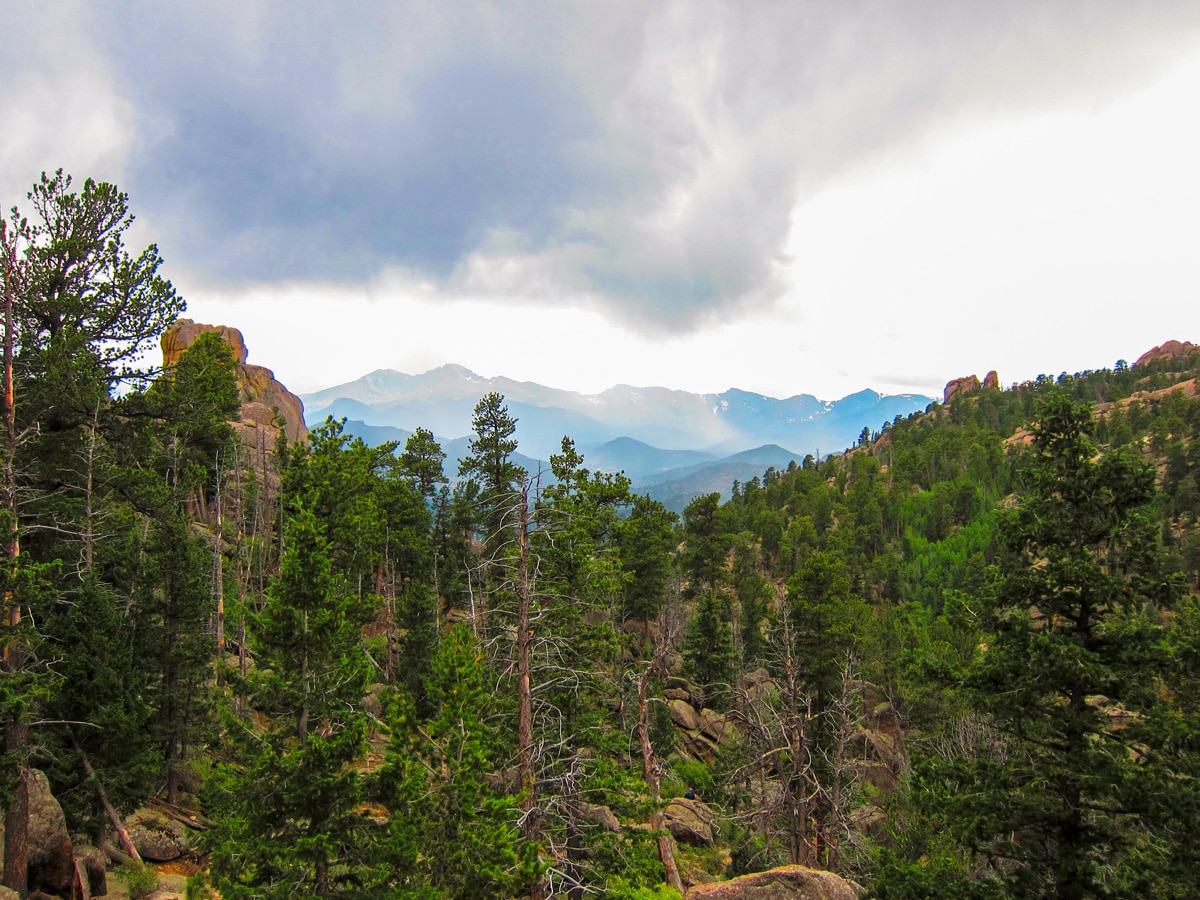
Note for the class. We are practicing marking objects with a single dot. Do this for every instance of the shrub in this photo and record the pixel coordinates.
(140, 879)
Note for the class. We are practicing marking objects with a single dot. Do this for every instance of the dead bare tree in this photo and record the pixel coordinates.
(669, 628)
(803, 765)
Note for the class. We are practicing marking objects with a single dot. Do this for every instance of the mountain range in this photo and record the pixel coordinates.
(673, 445)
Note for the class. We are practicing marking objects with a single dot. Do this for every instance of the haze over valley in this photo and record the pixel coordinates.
(673, 445)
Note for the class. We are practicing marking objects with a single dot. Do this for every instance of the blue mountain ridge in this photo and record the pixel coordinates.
(672, 444)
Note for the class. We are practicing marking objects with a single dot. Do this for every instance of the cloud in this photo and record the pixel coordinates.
(60, 105)
(641, 159)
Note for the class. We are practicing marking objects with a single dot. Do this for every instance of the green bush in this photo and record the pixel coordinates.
(140, 879)
(690, 773)
(198, 888)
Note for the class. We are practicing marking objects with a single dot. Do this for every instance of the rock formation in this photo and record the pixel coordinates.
(700, 728)
(266, 404)
(1169, 350)
(784, 883)
(690, 821)
(600, 816)
(157, 838)
(969, 384)
(51, 856)
(958, 386)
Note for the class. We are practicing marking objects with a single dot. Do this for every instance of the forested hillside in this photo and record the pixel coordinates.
(958, 660)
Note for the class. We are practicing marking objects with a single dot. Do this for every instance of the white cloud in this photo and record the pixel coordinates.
(60, 106)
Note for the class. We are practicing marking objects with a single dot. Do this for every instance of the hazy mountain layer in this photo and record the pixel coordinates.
(442, 400)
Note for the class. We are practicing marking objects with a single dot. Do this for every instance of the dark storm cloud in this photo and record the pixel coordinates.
(644, 157)
(483, 145)
(289, 156)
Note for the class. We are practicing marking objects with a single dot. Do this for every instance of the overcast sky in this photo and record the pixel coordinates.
(793, 197)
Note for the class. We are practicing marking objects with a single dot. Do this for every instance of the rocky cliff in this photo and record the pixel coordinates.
(969, 384)
(267, 406)
(1169, 350)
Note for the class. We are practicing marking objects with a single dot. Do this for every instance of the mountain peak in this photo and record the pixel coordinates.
(453, 370)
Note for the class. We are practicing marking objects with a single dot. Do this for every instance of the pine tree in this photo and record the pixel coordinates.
(1075, 799)
(646, 540)
(451, 834)
(292, 828)
(710, 659)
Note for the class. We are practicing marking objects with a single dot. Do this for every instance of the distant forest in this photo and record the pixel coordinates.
(959, 660)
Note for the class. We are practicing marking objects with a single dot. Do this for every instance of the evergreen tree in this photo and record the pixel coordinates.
(174, 612)
(706, 545)
(646, 541)
(755, 596)
(339, 478)
(824, 620)
(422, 462)
(490, 462)
(451, 834)
(499, 493)
(291, 827)
(79, 313)
(84, 289)
(708, 652)
(1075, 801)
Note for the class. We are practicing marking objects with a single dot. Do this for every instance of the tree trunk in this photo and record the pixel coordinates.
(115, 819)
(321, 878)
(219, 576)
(531, 827)
(16, 733)
(16, 825)
(89, 537)
(666, 848)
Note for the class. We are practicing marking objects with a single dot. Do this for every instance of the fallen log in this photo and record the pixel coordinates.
(126, 842)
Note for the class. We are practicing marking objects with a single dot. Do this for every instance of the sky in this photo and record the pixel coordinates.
(783, 197)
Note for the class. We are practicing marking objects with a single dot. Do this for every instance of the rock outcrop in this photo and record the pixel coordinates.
(690, 821)
(267, 406)
(157, 838)
(700, 728)
(881, 754)
(51, 858)
(784, 883)
(1168, 351)
(94, 863)
(966, 385)
(600, 816)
